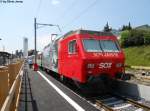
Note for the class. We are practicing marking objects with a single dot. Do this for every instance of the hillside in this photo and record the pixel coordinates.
(143, 27)
(138, 56)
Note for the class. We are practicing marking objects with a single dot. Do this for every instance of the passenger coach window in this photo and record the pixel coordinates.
(72, 47)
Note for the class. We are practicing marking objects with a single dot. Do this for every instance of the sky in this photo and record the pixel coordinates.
(17, 19)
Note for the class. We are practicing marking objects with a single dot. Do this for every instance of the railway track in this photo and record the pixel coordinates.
(113, 102)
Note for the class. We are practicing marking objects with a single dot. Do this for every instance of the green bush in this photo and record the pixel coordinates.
(124, 38)
(137, 37)
(147, 38)
(134, 38)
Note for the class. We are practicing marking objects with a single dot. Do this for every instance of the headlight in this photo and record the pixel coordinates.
(90, 65)
(119, 65)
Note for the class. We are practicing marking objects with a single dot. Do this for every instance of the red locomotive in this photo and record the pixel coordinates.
(82, 55)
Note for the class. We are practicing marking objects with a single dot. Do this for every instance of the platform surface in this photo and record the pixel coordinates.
(38, 95)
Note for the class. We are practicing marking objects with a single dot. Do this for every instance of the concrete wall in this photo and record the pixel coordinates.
(134, 90)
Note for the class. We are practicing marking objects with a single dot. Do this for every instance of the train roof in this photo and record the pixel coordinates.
(81, 31)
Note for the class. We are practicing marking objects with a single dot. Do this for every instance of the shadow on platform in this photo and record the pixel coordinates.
(26, 102)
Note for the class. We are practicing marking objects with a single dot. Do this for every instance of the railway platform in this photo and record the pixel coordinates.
(41, 92)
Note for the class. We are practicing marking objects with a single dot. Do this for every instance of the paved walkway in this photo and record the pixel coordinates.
(38, 95)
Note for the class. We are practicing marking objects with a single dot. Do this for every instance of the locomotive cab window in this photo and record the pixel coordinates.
(92, 45)
(72, 47)
(109, 46)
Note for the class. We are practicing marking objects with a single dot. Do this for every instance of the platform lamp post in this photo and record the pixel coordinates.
(36, 26)
(0, 39)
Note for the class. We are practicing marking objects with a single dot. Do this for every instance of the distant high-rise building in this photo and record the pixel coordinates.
(25, 47)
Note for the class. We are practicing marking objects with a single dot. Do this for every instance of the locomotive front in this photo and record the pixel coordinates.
(86, 55)
(103, 57)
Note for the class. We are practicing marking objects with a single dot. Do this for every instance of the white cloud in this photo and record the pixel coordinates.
(55, 2)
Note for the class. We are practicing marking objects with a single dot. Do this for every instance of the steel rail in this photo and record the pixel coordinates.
(138, 104)
(135, 103)
(102, 105)
(128, 100)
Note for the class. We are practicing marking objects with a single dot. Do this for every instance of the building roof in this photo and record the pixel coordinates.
(5, 54)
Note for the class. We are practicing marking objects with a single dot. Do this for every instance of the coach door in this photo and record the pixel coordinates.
(73, 57)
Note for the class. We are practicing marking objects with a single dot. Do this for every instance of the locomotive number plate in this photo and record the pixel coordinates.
(105, 65)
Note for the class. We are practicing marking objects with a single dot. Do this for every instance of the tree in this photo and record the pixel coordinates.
(17, 53)
(123, 28)
(138, 37)
(107, 28)
(31, 52)
(147, 38)
(124, 38)
(132, 38)
(127, 27)
(20, 54)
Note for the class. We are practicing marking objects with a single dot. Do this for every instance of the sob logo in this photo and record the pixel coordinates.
(105, 65)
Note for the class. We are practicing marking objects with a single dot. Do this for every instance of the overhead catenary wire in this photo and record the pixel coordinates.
(65, 13)
(81, 13)
(38, 8)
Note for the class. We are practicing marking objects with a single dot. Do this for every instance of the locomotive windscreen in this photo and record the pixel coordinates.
(93, 45)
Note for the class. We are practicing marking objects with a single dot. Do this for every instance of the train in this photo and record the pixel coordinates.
(84, 55)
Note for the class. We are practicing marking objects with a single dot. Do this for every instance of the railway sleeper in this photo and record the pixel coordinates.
(135, 103)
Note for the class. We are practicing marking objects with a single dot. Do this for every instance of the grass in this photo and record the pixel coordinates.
(138, 56)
